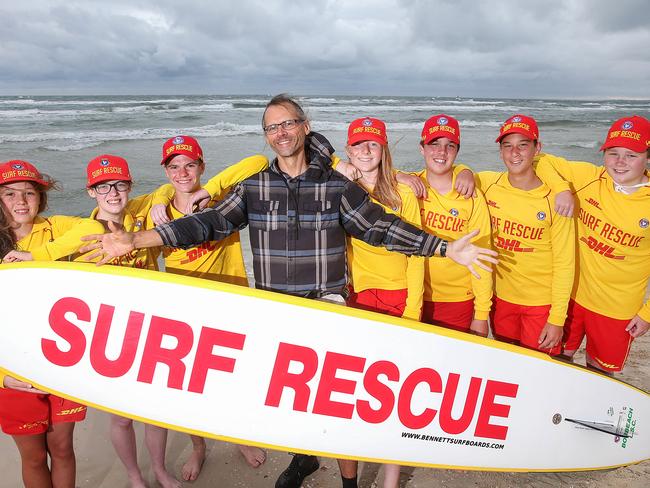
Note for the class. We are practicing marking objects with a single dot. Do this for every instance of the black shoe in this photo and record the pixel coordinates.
(300, 467)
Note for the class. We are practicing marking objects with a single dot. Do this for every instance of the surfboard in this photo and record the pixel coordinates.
(287, 373)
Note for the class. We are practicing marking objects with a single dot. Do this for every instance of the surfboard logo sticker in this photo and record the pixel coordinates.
(541, 215)
(628, 425)
(643, 223)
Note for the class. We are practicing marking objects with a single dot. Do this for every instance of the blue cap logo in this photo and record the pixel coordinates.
(516, 118)
(367, 122)
(17, 166)
(442, 120)
(627, 125)
(104, 162)
(541, 215)
(178, 140)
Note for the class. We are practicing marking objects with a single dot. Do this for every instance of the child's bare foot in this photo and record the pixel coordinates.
(136, 481)
(166, 480)
(253, 455)
(194, 463)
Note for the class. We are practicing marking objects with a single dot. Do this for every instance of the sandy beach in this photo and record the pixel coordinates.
(98, 467)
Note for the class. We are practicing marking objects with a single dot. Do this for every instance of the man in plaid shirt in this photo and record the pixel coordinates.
(299, 211)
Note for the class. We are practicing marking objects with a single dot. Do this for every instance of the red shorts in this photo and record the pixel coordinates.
(24, 413)
(391, 302)
(608, 343)
(521, 324)
(453, 315)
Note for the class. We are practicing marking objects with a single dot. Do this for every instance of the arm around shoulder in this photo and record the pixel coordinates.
(236, 173)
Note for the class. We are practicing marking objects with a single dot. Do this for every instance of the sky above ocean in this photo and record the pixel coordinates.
(498, 48)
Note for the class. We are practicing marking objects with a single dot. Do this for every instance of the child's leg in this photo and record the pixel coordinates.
(123, 439)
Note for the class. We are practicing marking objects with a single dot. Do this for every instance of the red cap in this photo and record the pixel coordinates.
(441, 125)
(519, 124)
(367, 129)
(181, 145)
(632, 133)
(107, 168)
(16, 170)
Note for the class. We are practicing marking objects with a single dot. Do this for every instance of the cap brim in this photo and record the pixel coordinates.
(438, 135)
(181, 153)
(625, 143)
(516, 131)
(109, 178)
(362, 137)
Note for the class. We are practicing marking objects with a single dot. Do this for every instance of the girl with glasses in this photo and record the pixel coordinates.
(109, 183)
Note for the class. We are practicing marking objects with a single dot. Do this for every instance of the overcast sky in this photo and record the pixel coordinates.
(552, 48)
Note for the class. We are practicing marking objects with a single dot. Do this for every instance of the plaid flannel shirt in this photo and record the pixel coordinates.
(298, 225)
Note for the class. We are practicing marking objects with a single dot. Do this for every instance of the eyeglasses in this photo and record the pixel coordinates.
(104, 188)
(286, 125)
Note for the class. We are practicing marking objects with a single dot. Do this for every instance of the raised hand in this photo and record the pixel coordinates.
(464, 252)
(108, 246)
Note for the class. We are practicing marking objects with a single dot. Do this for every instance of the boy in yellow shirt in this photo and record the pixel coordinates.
(536, 246)
(453, 297)
(613, 236)
(182, 159)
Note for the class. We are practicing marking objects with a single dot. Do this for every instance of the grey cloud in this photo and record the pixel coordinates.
(498, 48)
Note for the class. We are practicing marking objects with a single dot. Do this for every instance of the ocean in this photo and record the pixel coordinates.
(61, 134)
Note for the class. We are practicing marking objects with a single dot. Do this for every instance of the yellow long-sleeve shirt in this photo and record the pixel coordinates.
(376, 267)
(613, 235)
(536, 246)
(220, 184)
(451, 216)
(58, 236)
(222, 260)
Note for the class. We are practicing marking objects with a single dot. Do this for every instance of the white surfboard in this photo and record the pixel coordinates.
(286, 373)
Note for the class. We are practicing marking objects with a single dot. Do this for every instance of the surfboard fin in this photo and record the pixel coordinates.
(599, 426)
